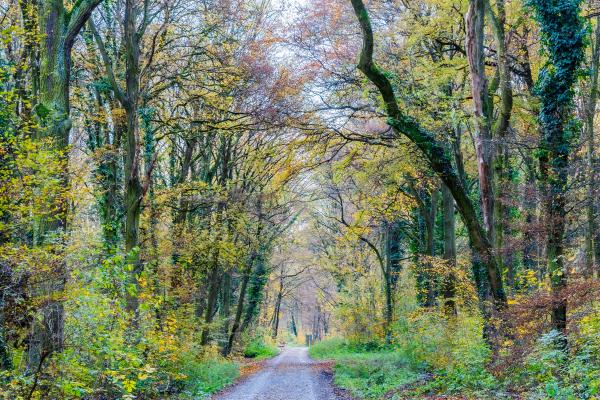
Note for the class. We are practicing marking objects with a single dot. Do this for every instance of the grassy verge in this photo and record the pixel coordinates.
(259, 349)
(203, 378)
(365, 370)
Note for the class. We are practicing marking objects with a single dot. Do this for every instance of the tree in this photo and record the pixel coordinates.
(59, 28)
(564, 38)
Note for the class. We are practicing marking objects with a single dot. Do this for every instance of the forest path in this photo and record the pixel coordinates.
(292, 375)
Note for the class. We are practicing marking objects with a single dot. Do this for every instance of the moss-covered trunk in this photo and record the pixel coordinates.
(58, 28)
(564, 39)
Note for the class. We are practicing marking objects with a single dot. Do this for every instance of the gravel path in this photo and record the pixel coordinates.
(292, 375)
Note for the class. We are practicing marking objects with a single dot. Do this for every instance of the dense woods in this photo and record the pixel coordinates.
(409, 186)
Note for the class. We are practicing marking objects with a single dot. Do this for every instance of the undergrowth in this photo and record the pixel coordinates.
(366, 369)
(428, 358)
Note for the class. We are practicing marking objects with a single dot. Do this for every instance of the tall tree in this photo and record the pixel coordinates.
(484, 144)
(564, 39)
(592, 239)
(59, 26)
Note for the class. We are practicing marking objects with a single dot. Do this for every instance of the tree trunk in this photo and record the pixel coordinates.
(240, 307)
(425, 277)
(501, 128)
(278, 300)
(562, 24)
(133, 186)
(225, 307)
(449, 287)
(244, 285)
(58, 27)
(214, 280)
(430, 224)
(484, 146)
(592, 237)
(107, 172)
(393, 257)
(257, 283)
(213, 291)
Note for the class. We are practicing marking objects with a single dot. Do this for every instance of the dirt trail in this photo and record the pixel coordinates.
(292, 375)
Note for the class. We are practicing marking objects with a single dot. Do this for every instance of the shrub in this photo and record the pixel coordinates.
(329, 348)
(552, 373)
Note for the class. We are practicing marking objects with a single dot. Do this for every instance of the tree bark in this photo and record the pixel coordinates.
(133, 186)
(592, 238)
(500, 133)
(449, 286)
(484, 145)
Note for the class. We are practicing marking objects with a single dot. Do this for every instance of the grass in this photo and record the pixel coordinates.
(203, 378)
(259, 349)
(366, 370)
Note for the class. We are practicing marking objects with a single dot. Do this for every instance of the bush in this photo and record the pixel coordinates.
(371, 375)
(329, 348)
(424, 345)
(338, 347)
(552, 373)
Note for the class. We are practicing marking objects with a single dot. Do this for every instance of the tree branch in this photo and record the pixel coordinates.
(107, 63)
(80, 13)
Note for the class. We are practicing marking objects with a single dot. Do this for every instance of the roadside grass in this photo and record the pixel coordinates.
(366, 370)
(373, 371)
(259, 349)
(205, 377)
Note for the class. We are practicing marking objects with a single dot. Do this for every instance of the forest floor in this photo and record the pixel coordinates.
(292, 375)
